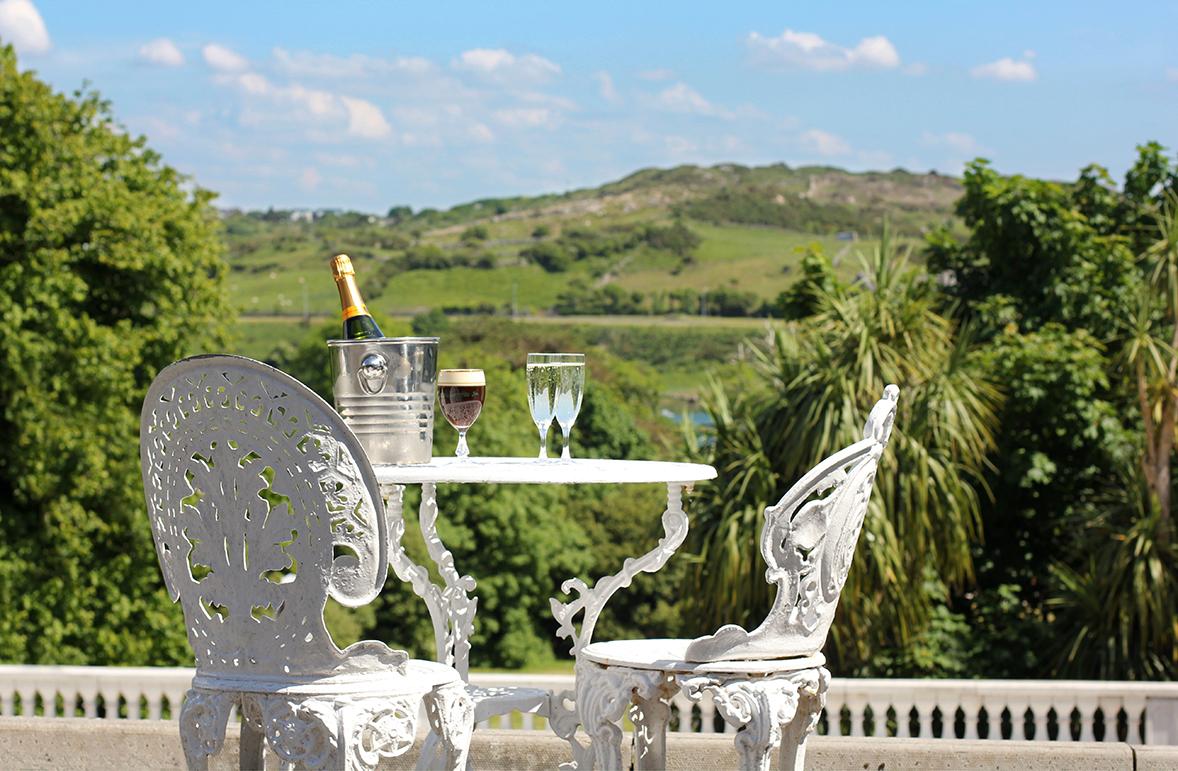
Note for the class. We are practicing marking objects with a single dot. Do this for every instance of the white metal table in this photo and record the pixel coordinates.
(451, 606)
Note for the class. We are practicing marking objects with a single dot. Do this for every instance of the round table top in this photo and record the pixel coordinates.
(578, 471)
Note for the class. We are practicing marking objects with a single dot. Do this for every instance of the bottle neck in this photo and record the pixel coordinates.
(351, 303)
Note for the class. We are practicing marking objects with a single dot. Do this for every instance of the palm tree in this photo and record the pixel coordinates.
(809, 395)
(1119, 605)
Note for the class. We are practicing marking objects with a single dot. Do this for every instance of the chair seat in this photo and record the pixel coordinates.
(420, 677)
(500, 700)
(666, 655)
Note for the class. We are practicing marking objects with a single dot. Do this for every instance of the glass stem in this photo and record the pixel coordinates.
(543, 440)
(462, 451)
(564, 453)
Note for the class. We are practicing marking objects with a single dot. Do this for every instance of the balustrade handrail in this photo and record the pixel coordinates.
(1065, 710)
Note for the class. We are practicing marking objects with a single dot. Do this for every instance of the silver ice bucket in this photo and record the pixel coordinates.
(384, 390)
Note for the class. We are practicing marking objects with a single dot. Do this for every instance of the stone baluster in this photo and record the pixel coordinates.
(90, 702)
(1135, 707)
(993, 709)
(175, 700)
(855, 706)
(926, 707)
(1042, 709)
(707, 716)
(527, 721)
(110, 700)
(28, 700)
(155, 702)
(1087, 708)
(969, 708)
(683, 706)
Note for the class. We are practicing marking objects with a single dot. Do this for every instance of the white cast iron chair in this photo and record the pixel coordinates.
(262, 504)
(769, 684)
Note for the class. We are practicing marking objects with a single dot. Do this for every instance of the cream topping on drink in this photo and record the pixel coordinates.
(462, 377)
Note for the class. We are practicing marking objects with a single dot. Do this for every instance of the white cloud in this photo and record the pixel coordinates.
(1006, 69)
(224, 59)
(479, 132)
(824, 143)
(161, 51)
(500, 64)
(526, 117)
(957, 141)
(307, 63)
(365, 119)
(22, 26)
(605, 83)
(809, 51)
(310, 179)
(682, 98)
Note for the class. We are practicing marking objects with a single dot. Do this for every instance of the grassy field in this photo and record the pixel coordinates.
(279, 274)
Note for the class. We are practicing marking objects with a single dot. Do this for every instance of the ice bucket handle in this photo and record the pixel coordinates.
(374, 371)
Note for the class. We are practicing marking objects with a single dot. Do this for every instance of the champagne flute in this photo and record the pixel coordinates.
(570, 387)
(541, 395)
(461, 393)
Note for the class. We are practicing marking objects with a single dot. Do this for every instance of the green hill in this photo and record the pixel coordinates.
(745, 227)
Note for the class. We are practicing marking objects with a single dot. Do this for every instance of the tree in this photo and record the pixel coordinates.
(1033, 257)
(808, 397)
(818, 280)
(109, 270)
(1075, 288)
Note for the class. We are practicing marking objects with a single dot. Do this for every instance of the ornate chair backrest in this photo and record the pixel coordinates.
(262, 503)
(808, 541)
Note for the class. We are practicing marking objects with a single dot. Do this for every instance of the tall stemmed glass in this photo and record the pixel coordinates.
(461, 393)
(542, 395)
(569, 386)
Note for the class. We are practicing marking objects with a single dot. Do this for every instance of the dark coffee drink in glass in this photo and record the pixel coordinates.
(461, 393)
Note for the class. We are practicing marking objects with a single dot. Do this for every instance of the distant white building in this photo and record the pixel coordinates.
(302, 215)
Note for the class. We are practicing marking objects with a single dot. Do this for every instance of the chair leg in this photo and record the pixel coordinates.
(758, 709)
(650, 718)
(203, 720)
(430, 757)
(251, 756)
(602, 696)
(451, 717)
(812, 700)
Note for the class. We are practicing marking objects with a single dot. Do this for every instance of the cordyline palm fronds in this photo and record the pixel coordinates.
(1152, 353)
(818, 380)
(1120, 607)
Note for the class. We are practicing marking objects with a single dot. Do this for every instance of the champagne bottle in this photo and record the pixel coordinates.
(358, 322)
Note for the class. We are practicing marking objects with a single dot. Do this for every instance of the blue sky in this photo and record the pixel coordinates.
(370, 104)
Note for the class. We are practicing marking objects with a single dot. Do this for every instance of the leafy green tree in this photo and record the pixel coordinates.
(805, 296)
(110, 269)
(1076, 287)
(1033, 257)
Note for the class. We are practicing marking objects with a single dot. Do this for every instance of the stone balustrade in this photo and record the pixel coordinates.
(1038, 710)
